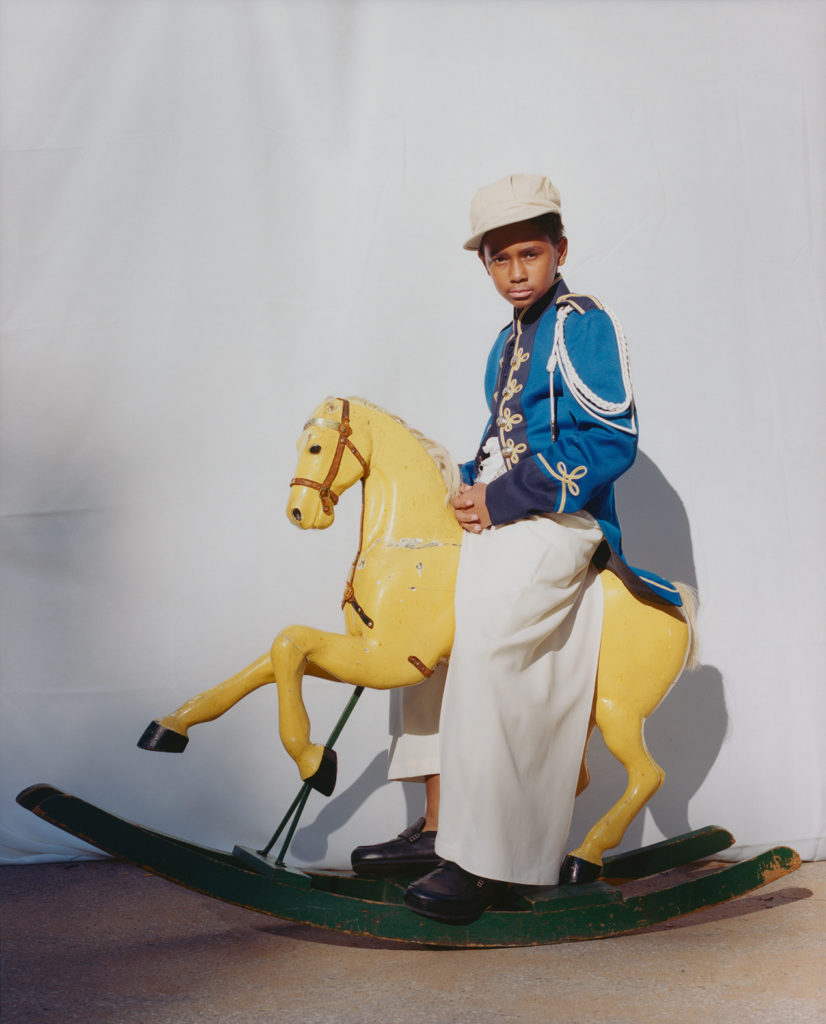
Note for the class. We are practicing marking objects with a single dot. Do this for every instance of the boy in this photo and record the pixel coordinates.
(537, 506)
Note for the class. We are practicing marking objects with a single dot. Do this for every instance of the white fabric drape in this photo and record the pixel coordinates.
(217, 212)
(518, 695)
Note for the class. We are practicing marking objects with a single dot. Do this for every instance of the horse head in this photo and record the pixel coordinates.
(329, 461)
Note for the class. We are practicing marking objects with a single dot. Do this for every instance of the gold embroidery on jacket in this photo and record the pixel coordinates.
(506, 419)
(568, 480)
(511, 451)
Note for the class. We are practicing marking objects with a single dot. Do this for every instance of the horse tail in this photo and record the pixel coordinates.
(691, 603)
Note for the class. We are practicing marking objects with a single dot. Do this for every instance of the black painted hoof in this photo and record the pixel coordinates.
(324, 779)
(576, 871)
(158, 737)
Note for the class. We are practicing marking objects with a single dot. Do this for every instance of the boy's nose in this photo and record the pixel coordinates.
(517, 272)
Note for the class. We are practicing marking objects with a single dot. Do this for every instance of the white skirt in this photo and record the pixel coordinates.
(518, 696)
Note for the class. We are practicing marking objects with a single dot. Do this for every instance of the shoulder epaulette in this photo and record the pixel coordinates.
(580, 303)
(601, 386)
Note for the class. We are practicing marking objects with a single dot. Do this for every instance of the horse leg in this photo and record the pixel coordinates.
(373, 661)
(289, 663)
(171, 732)
(623, 735)
(584, 774)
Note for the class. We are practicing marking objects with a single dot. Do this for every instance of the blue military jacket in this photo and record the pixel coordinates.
(564, 446)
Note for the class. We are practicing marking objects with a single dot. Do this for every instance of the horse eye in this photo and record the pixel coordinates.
(315, 449)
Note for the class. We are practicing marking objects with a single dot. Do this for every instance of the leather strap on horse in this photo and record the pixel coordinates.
(350, 598)
(349, 593)
(420, 665)
(328, 496)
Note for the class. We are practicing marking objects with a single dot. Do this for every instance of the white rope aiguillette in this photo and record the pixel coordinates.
(587, 399)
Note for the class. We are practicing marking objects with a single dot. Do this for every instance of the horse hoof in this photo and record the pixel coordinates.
(576, 871)
(158, 737)
(324, 777)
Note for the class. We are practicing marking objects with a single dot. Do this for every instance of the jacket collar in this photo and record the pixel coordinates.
(534, 312)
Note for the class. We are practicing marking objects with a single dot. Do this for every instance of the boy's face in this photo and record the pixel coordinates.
(522, 262)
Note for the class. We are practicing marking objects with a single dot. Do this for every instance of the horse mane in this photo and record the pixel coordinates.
(438, 453)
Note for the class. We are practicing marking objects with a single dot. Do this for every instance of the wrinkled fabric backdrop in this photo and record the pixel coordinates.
(215, 213)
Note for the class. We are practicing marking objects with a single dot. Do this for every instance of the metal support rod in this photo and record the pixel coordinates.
(300, 800)
(305, 792)
(345, 714)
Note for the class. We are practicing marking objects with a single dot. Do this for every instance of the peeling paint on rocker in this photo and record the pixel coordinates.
(398, 612)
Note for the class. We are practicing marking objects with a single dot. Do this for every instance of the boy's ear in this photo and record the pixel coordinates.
(562, 250)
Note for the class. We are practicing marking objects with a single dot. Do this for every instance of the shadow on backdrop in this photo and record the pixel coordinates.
(684, 735)
(686, 732)
(311, 842)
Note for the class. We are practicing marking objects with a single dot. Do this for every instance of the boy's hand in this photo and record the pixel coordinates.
(470, 509)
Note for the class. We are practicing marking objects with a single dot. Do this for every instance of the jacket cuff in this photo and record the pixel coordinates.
(523, 491)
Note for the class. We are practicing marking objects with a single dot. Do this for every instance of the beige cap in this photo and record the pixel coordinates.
(510, 200)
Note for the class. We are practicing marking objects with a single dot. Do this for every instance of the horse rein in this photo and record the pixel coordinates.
(329, 498)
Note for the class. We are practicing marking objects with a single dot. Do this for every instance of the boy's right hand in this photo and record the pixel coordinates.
(470, 508)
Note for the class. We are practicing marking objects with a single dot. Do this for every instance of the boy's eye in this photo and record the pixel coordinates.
(315, 449)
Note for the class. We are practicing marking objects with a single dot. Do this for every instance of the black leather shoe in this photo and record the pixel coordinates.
(452, 895)
(412, 852)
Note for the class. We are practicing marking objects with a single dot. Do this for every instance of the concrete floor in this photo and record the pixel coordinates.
(101, 942)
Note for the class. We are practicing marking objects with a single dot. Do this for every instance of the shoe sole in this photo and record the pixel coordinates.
(382, 869)
(433, 915)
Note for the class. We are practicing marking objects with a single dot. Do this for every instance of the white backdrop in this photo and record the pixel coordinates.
(215, 213)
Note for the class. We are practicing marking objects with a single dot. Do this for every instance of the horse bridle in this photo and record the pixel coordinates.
(328, 496)
(329, 499)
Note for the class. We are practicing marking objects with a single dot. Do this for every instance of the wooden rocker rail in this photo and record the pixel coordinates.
(360, 906)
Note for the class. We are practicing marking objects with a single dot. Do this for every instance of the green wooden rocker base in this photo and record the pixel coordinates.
(409, 629)
(372, 907)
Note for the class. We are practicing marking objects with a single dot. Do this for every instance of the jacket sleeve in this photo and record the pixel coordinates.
(595, 439)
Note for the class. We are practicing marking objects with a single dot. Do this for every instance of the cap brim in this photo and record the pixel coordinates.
(475, 241)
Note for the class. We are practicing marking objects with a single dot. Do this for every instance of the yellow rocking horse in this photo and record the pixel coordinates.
(398, 611)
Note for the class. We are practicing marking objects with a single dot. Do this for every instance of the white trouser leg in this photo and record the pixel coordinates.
(518, 696)
(414, 728)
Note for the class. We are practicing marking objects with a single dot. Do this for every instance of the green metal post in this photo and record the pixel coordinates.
(300, 801)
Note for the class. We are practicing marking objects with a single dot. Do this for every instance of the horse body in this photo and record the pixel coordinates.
(398, 602)
(398, 608)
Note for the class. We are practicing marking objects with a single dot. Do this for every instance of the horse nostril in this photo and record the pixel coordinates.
(297, 515)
